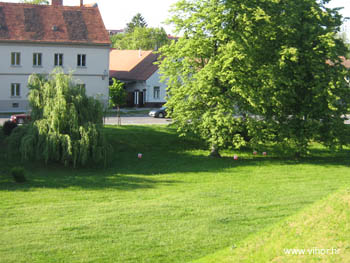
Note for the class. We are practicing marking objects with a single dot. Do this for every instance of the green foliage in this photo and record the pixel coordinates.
(8, 127)
(137, 21)
(272, 66)
(36, 2)
(140, 38)
(2, 135)
(66, 124)
(117, 94)
(13, 142)
(18, 174)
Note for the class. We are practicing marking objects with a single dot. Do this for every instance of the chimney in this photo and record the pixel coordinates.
(81, 2)
(57, 2)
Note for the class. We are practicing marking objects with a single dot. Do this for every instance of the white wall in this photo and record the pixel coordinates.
(153, 81)
(93, 75)
(148, 85)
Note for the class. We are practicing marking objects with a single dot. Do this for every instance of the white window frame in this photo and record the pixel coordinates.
(37, 57)
(15, 59)
(81, 61)
(15, 90)
(15, 105)
(156, 92)
(58, 60)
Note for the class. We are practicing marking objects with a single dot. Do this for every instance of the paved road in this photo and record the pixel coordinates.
(132, 120)
(137, 120)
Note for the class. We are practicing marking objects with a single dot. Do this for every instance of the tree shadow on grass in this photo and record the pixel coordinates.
(163, 153)
(89, 181)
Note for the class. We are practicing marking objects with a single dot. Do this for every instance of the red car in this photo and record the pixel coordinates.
(20, 118)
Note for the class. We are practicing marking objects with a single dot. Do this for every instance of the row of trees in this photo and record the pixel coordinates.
(265, 70)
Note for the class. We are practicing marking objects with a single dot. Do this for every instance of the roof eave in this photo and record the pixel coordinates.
(55, 42)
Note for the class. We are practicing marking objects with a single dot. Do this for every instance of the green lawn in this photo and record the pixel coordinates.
(320, 233)
(174, 205)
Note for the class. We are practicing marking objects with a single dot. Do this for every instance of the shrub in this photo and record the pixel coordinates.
(8, 127)
(18, 174)
(2, 135)
(13, 142)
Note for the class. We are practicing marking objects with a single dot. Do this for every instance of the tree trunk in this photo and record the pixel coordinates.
(214, 152)
(119, 121)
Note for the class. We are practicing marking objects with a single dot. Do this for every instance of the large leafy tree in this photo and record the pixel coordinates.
(66, 125)
(141, 38)
(295, 79)
(268, 68)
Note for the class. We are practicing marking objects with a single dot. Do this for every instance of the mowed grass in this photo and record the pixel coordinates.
(319, 233)
(174, 205)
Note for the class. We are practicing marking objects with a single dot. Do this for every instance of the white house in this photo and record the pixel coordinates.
(137, 70)
(38, 38)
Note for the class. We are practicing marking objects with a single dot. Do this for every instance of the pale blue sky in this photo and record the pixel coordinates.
(116, 13)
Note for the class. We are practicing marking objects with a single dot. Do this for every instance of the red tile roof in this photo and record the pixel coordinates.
(346, 63)
(52, 24)
(170, 37)
(132, 64)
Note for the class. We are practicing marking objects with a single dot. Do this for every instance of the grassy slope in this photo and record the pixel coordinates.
(325, 225)
(174, 205)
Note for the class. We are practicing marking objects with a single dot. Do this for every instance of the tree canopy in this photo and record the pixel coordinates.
(141, 38)
(137, 21)
(36, 2)
(257, 71)
(117, 94)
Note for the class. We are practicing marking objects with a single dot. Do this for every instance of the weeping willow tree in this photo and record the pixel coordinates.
(66, 125)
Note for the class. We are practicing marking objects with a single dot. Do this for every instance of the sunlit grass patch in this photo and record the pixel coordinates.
(319, 233)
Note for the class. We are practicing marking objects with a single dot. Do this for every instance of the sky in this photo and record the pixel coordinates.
(117, 13)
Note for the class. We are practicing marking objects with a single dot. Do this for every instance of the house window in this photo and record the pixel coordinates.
(156, 92)
(15, 90)
(81, 60)
(58, 60)
(82, 86)
(15, 59)
(15, 105)
(37, 59)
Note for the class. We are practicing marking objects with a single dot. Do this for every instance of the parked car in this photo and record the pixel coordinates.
(20, 118)
(158, 113)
